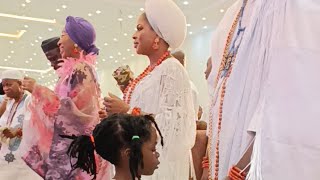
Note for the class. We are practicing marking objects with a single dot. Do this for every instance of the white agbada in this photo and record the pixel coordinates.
(273, 91)
(11, 165)
(166, 93)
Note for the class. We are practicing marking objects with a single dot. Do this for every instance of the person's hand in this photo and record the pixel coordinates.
(18, 132)
(114, 105)
(205, 174)
(103, 114)
(5, 99)
(8, 133)
(28, 84)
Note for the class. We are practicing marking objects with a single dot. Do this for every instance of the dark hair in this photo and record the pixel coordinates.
(111, 135)
(1, 89)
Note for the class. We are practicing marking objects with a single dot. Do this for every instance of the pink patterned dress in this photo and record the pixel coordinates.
(72, 109)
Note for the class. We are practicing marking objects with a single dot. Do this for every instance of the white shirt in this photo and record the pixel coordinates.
(12, 151)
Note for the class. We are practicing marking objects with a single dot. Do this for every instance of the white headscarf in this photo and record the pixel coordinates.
(167, 20)
(12, 74)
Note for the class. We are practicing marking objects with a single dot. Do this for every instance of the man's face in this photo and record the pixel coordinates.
(53, 56)
(11, 87)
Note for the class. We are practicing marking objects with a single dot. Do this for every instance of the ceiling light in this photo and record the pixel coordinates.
(128, 50)
(185, 2)
(188, 25)
(5, 59)
(13, 35)
(125, 34)
(130, 16)
(27, 18)
(28, 1)
(12, 52)
(103, 60)
(124, 58)
(115, 39)
(50, 29)
(36, 41)
(9, 57)
(64, 6)
(116, 61)
(190, 32)
(98, 12)
(120, 19)
(221, 10)
(141, 9)
(106, 44)
(111, 57)
(30, 59)
(205, 27)
(27, 62)
(204, 18)
(40, 37)
(58, 10)
(23, 5)
(119, 53)
(90, 14)
(11, 42)
(132, 55)
(26, 26)
(31, 44)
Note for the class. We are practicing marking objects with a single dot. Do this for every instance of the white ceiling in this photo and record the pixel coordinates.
(25, 52)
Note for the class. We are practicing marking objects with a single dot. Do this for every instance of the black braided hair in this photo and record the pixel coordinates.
(111, 135)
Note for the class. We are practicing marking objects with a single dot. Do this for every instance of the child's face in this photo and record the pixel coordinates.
(150, 154)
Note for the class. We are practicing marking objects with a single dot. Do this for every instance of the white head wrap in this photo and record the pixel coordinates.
(167, 20)
(12, 74)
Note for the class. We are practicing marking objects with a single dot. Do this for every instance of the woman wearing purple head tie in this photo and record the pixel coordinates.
(71, 109)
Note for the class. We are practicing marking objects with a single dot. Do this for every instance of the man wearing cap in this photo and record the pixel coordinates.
(12, 128)
(51, 49)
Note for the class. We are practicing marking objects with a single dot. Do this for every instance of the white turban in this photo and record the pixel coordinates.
(12, 74)
(167, 20)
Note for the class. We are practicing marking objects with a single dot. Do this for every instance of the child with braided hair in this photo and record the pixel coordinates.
(128, 142)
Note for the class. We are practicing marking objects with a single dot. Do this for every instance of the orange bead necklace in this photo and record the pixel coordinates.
(130, 88)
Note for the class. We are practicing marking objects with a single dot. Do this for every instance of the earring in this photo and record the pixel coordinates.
(155, 45)
(75, 50)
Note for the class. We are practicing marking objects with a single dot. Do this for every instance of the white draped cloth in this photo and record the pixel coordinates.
(273, 90)
(166, 93)
(11, 165)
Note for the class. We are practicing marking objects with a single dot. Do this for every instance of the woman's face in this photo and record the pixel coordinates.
(66, 46)
(144, 37)
(150, 154)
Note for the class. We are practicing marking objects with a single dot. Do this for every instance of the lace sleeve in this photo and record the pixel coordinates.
(82, 93)
(74, 101)
(176, 115)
